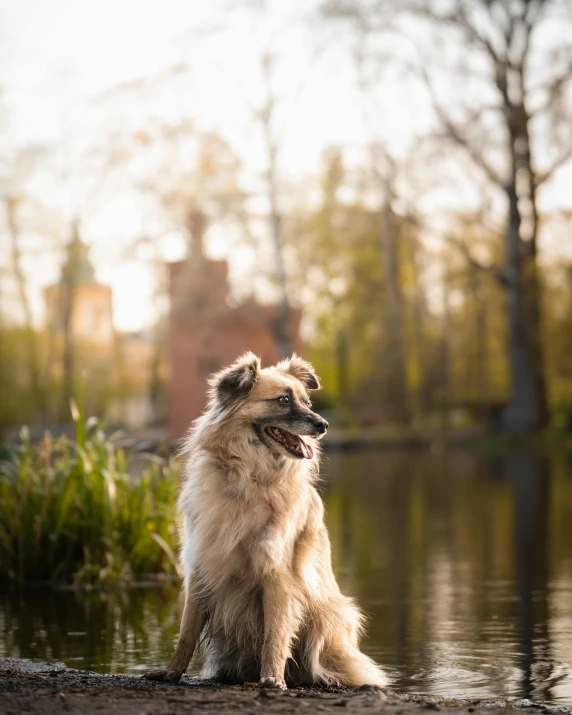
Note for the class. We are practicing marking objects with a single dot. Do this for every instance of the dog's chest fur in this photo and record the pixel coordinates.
(241, 522)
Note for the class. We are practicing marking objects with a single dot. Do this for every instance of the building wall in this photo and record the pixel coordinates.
(92, 316)
(205, 334)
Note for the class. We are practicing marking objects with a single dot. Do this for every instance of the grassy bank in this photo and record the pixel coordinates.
(84, 511)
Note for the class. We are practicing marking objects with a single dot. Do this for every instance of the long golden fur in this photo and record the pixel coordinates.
(260, 594)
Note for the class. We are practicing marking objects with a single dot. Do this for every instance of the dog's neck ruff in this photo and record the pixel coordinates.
(259, 465)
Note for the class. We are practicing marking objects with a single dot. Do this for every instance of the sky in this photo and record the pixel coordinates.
(70, 67)
(61, 61)
(55, 57)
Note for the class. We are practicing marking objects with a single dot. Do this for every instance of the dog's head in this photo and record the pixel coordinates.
(272, 402)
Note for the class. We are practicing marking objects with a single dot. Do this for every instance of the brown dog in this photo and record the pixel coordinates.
(258, 579)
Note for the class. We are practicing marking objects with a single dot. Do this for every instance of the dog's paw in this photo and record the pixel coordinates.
(164, 676)
(272, 683)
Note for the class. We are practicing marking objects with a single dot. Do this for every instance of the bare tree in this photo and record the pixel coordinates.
(66, 307)
(11, 203)
(445, 377)
(397, 389)
(269, 106)
(418, 313)
(396, 235)
(503, 34)
(281, 326)
(24, 213)
(511, 113)
(481, 361)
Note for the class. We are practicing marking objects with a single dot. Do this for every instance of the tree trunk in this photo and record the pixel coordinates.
(528, 408)
(68, 355)
(445, 357)
(281, 325)
(342, 367)
(155, 388)
(396, 392)
(418, 316)
(30, 335)
(282, 322)
(481, 355)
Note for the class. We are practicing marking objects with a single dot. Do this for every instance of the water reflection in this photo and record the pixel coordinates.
(109, 632)
(462, 562)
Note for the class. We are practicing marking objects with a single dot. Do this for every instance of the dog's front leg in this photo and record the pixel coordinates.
(192, 623)
(279, 629)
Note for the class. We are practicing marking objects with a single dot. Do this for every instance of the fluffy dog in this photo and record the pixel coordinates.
(260, 593)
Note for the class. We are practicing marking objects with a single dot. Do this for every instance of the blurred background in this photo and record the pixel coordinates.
(384, 186)
(380, 185)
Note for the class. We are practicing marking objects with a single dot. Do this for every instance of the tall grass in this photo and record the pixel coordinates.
(84, 511)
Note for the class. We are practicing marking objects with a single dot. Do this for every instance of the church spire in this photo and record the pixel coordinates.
(77, 267)
(196, 224)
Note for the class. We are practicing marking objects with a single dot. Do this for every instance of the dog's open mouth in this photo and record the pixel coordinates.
(291, 442)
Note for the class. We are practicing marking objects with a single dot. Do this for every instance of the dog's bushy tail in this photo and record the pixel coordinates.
(330, 646)
(349, 666)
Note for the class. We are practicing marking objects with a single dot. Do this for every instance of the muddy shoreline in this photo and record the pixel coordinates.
(53, 689)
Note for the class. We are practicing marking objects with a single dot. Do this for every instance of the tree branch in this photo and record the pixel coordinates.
(546, 175)
(460, 19)
(495, 271)
(553, 88)
(458, 137)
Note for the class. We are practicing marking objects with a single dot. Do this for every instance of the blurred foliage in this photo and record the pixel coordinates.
(23, 403)
(355, 238)
(453, 320)
(17, 404)
(453, 313)
(558, 334)
(85, 510)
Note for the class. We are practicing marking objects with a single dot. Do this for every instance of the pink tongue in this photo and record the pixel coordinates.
(307, 451)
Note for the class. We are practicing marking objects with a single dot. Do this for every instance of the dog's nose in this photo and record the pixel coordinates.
(321, 425)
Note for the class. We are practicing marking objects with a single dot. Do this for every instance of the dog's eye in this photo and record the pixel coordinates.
(284, 399)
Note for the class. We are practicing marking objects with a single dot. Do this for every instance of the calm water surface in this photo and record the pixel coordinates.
(462, 562)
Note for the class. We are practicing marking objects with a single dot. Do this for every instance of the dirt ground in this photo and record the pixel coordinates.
(52, 689)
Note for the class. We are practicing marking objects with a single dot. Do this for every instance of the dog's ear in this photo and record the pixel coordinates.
(301, 370)
(237, 380)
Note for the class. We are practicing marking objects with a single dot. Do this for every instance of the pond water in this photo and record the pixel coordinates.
(462, 562)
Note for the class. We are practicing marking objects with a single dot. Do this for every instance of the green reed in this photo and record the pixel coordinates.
(85, 511)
